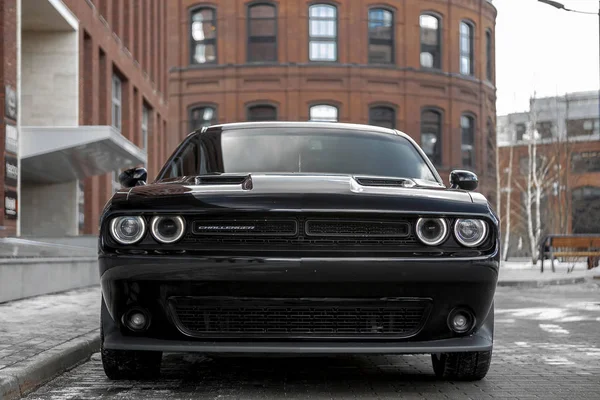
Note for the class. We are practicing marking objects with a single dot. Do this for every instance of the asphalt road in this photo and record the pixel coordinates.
(547, 346)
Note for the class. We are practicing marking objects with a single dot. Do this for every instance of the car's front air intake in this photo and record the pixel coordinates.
(308, 317)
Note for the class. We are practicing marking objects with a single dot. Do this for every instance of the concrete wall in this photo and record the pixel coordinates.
(49, 210)
(20, 278)
(49, 96)
(49, 79)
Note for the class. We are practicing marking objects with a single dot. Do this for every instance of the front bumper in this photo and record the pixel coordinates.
(151, 283)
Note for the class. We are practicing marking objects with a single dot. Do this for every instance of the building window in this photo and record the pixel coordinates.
(262, 112)
(521, 130)
(431, 53)
(587, 161)
(467, 124)
(381, 36)
(585, 209)
(466, 48)
(203, 36)
(324, 113)
(117, 88)
(545, 129)
(382, 116)
(583, 127)
(489, 70)
(262, 33)
(202, 116)
(145, 127)
(431, 135)
(322, 32)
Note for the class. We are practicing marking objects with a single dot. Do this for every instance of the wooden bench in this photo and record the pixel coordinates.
(571, 246)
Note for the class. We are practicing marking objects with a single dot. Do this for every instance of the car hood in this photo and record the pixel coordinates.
(295, 192)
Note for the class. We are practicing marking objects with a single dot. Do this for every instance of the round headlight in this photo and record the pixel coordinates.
(168, 229)
(470, 232)
(128, 229)
(432, 231)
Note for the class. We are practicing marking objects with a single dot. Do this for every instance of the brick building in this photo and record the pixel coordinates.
(567, 138)
(425, 67)
(89, 87)
(83, 94)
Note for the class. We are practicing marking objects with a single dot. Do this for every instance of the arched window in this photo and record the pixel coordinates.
(262, 33)
(431, 135)
(466, 48)
(323, 113)
(467, 124)
(431, 51)
(262, 112)
(382, 116)
(381, 36)
(322, 32)
(203, 33)
(489, 66)
(202, 116)
(491, 148)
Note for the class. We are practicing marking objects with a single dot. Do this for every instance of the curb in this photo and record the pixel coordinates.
(22, 378)
(543, 283)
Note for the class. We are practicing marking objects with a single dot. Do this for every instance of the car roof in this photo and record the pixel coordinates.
(307, 124)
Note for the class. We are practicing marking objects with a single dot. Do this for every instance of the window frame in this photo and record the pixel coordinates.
(248, 30)
(489, 67)
(471, 27)
(391, 107)
(473, 120)
(193, 42)
(261, 104)
(439, 19)
(391, 42)
(439, 148)
(317, 39)
(337, 108)
(202, 105)
(116, 102)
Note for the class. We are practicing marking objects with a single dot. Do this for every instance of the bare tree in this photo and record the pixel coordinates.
(508, 204)
(537, 182)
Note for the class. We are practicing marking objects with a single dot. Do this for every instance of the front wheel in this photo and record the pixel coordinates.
(466, 366)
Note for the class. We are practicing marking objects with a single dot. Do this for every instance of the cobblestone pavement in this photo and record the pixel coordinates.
(31, 326)
(547, 346)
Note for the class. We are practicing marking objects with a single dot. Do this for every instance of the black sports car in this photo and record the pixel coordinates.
(312, 238)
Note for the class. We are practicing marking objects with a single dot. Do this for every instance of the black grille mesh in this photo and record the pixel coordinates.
(285, 317)
(246, 227)
(357, 228)
(301, 233)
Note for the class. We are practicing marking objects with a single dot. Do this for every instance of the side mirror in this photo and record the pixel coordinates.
(133, 177)
(465, 180)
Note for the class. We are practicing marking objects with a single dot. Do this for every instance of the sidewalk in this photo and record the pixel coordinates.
(41, 337)
(524, 274)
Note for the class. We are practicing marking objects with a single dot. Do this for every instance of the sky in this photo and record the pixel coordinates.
(540, 48)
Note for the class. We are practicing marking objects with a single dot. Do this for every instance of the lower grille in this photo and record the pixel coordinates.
(256, 317)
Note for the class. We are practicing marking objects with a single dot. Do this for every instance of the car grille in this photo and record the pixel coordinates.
(357, 228)
(257, 317)
(301, 233)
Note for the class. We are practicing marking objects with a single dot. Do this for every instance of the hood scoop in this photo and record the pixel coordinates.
(382, 181)
(244, 180)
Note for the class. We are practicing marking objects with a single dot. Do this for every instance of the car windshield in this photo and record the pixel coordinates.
(298, 150)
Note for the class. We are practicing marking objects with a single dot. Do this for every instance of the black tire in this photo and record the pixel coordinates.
(129, 364)
(467, 366)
